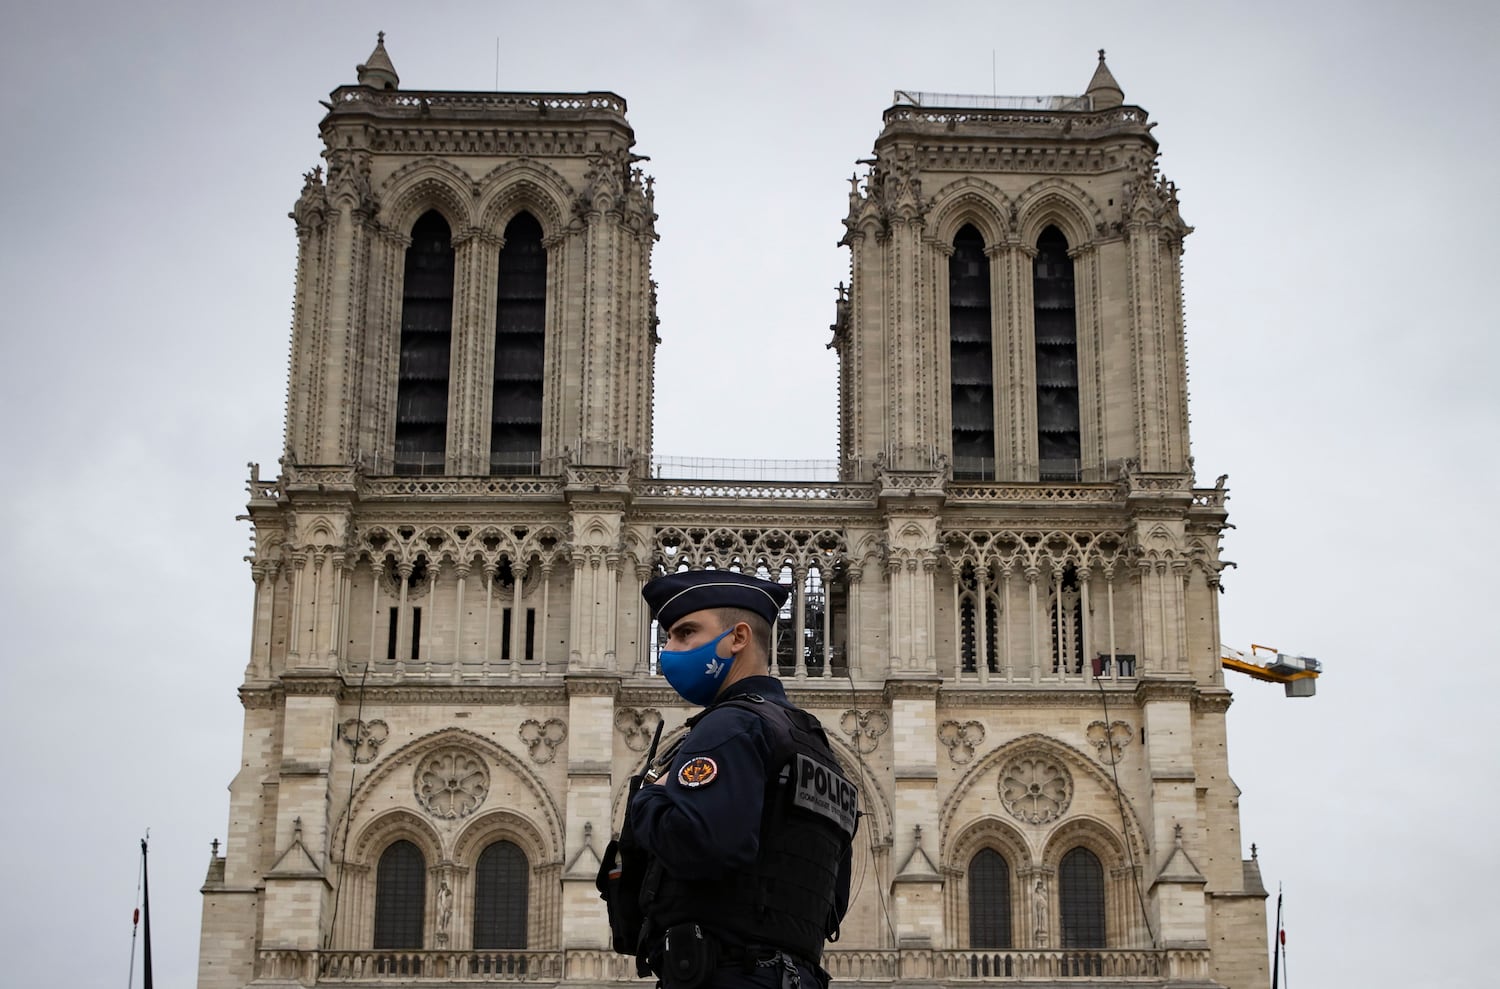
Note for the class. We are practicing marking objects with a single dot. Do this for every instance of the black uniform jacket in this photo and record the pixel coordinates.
(712, 829)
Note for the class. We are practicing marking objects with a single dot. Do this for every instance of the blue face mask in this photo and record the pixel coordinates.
(696, 673)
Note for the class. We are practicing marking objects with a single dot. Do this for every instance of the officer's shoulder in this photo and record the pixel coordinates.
(743, 715)
(742, 709)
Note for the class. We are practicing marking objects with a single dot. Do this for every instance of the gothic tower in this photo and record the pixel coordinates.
(1013, 377)
(1004, 609)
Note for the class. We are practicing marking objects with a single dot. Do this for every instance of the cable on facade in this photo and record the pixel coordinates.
(869, 833)
(1114, 768)
(359, 721)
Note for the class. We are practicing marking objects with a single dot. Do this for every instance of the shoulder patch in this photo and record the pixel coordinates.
(698, 771)
(824, 793)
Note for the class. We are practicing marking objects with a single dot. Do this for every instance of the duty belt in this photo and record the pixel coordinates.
(760, 956)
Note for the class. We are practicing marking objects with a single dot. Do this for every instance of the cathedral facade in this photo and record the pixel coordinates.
(1004, 605)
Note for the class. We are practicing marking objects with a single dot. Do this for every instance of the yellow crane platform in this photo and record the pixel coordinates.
(1298, 674)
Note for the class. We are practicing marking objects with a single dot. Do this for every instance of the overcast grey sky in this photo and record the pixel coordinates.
(1338, 160)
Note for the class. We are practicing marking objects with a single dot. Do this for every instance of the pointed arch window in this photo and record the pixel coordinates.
(969, 624)
(815, 620)
(501, 882)
(971, 358)
(1059, 446)
(785, 644)
(400, 896)
(1066, 616)
(520, 347)
(1081, 896)
(426, 346)
(989, 900)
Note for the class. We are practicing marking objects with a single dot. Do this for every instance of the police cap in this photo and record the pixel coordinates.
(676, 594)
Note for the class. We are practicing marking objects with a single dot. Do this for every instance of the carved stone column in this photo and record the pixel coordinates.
(403, 616)
(293, 653)
(799, 619)
(264, 575)
(644, 645)
(314, 606)
(377, 575)
(894, 639)
(1086, 621)
(1006, 665)
(1017, 441)
(476, 261)
(517, 619)
(1091, 378)
(542, 619)
(1032, 574)
(424, 647)
(852, 637)
(491, 568)
(462, 572)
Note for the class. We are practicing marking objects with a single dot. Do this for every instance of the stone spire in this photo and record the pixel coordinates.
(377, 72)
(1103, 89)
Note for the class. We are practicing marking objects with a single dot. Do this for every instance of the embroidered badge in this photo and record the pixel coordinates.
(698, 771)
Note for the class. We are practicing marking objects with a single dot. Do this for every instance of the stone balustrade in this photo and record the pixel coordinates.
(547, 487)
(1138, 966)
(420, 101)
(755, 490)
(467, 671)
(1126, 119)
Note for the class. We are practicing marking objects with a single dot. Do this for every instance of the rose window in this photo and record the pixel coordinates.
(452, 783)
(1035, 788)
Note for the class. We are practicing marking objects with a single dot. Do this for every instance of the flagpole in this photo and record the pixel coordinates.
(1276, 945)
(135, 921)
(146, 903)
(1286, 968)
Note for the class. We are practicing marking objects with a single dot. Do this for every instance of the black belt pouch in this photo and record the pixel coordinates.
(689, 957)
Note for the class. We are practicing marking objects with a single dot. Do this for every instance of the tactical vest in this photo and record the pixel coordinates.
(785, 899)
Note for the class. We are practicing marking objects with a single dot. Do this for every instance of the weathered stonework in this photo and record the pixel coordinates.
(1010, 664)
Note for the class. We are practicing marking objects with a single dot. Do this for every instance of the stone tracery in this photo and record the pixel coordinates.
(864, 728)
(542, 737)
(363, 738)
(451, 782)
(1035, 787)
(1110, 739)
(637, 726)
(962, 739)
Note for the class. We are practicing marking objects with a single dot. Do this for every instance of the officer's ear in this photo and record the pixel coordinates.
(741, 637)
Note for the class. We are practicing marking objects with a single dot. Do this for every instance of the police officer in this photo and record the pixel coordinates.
(749, 824)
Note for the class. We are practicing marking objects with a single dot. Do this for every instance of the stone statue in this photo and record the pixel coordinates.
(1039, 909)
(444, 908)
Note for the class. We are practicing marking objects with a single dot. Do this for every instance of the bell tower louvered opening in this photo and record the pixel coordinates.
(426, 348)
(520, 350)
(971, 363)
(1059, 446)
